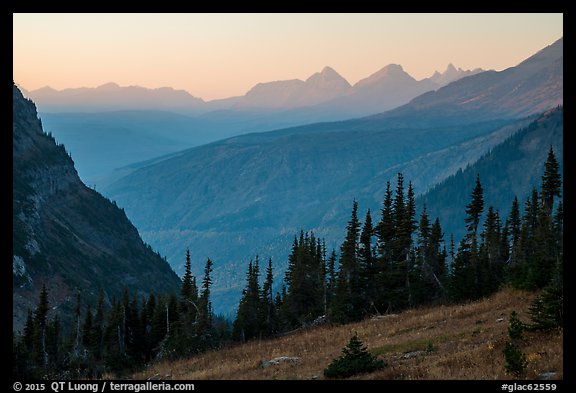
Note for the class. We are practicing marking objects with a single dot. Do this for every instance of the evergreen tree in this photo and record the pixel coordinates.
(189, 290)
(87, 339)
(547, 309)
(98, 333)
(558, 224)
(491, 261)
(348, 301)
(269, 308)
(205, 316)
(467, 277)
(452, 252)
(40, 321)
(385, 229)
(475, 208)
(430, 269)
(551, 181)
(515, 224)
(330, 278)
(41, 313)
(248, 322)
(28, 334)
(366, 262)
(305, 281)
(397, 280)
(385, 233)
(515, 326)
(515, 359)
(355, 360)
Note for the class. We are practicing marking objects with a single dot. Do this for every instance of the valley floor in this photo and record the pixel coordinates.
(439, 343)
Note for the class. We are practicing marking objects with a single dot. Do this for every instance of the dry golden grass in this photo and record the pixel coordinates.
(466, 342)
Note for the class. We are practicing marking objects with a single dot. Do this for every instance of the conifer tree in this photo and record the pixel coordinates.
(98, 334)
(466, 279)
(475, 208)
(385, 233)
(189, 290)
(355, 360)
(304, 300)
(515, 225)
(551, 181)
(269, 308)
(330, 278)
(40, 322)
(366, 264)
(248, 322)
(87, 327)
(204, 305)
(347, 301)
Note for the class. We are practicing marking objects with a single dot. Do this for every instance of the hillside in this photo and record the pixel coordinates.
(66, 235)
(519, 160)
(452, 342)
(533, 86)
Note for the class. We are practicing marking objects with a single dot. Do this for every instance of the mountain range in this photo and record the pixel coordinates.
(67, 236)
(250, 194)
(391, 83)
(109, 126)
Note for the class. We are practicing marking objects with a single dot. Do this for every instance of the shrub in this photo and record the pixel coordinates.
(515, 360)
(515, 326)
(356, 360)
(547, 310)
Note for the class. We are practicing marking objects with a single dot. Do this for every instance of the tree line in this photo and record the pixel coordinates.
(403, 261)
(400, 261)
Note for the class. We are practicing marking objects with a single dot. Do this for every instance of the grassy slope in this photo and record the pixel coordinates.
(467, 342)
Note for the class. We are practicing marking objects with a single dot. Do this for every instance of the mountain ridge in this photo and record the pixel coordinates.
(116, 97)
(66, 235)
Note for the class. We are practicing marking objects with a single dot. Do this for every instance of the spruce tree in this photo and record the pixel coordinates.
(304, 300)
(385, 233)
(40, 322)
(366, 263)
(515, 224)
(355, 360)
(205, 317)
(330, 278)
(248, 323)
(87, 327)
(475, 208)
(551, 180)
(347, 304)
(399, 294)
(98, 334)
(269, 308)
(466, 278)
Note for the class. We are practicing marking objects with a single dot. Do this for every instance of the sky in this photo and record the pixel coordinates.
(222, 55)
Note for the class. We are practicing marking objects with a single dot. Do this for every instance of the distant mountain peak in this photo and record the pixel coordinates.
(451, 74)
(328, 77)
(328, 70)
(389, 73)
(109, 86)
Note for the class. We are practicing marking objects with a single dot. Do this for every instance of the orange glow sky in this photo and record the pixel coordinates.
(222, 55)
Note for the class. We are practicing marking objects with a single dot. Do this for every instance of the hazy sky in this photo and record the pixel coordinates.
(222, 55)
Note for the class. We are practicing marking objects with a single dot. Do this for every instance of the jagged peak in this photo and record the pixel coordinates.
(327, 74)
